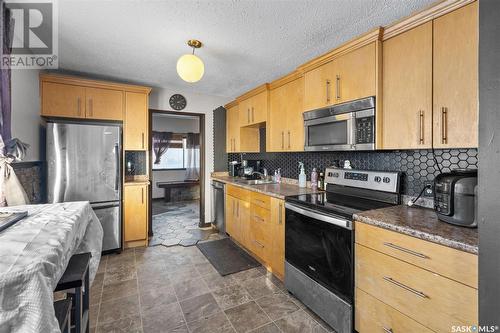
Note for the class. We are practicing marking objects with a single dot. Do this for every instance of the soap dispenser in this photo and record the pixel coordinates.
(302, 175)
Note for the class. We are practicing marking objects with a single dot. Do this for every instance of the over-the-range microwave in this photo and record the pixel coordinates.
(347, 126)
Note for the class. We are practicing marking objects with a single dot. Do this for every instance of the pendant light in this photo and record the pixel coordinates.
(189, 67)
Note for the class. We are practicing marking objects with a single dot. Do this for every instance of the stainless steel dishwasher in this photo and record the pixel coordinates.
(218, 198)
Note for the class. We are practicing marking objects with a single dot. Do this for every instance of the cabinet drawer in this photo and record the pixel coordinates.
(238, 192)
(260, 239)
(457, 265)
(374, 316)
(432, 300)
(260, 200)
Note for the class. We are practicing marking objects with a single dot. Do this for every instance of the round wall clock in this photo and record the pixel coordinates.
(177, 102)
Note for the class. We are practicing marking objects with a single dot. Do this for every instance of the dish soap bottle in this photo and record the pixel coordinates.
(321, 181)
(314, 179)
(302, 175)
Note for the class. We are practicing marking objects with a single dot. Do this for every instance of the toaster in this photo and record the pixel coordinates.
(455, 197)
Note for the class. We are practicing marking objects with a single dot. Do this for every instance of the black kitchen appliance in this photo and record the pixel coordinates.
(319, 240)
(455, 197)
(234, 168)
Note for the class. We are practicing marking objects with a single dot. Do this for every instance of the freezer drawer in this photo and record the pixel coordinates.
(110, 218)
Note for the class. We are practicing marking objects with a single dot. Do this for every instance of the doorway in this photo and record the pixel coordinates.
(177, 182)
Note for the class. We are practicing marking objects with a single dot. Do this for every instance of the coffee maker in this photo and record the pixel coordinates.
(234, 168)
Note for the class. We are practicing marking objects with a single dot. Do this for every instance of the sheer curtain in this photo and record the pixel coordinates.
(192, 156)
(161, 142)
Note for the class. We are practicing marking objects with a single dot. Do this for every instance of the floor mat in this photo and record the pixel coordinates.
(227, 257)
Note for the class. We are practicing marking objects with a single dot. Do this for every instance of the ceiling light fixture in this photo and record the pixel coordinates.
(189, 67)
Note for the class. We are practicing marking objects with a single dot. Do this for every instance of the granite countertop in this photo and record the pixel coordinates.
(422, 223)
(279, 191)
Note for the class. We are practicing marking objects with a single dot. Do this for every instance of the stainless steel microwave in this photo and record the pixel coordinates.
(347, 126)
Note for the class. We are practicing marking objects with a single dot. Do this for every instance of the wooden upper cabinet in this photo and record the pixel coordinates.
(285, 128)
(407, 90)
(135, 212)
(104, 104)
(456, 78)
(232, 129)
(253, 110)
(356, 74)
(136, 121)
(318, 86)
(62, 100)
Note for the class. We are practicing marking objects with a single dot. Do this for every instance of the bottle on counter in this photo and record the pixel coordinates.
(302, 175)
(278, 179)
(321, 181)
(314, 179)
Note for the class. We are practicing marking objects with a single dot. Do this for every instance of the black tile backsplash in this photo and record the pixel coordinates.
(418, 166)
(137, 159)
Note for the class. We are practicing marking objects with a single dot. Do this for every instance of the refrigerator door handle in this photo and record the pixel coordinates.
(117, 158)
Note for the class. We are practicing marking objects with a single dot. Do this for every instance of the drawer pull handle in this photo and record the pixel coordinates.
(405, 287)
(261, 201)
(387, 330)
(259, 244)
(402, 249)
(258, 218)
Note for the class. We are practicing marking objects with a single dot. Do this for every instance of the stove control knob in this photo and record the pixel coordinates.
(377, 179)
(387, 180)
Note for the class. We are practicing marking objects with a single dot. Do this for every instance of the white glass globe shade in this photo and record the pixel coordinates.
(190, 68)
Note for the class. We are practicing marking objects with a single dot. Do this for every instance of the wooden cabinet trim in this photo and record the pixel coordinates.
(253, 92)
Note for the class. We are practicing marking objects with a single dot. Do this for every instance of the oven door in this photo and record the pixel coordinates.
(330, 133)
(321, 246)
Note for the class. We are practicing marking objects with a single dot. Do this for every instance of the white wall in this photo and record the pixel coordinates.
(196, 103)
(174, 124)
(26, 121)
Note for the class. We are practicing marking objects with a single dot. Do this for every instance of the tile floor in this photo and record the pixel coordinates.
(176, 223)
(175, 289)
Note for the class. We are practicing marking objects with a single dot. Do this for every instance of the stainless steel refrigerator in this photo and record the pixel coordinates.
(84, 164)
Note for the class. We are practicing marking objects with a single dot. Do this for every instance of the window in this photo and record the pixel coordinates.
(174, 157)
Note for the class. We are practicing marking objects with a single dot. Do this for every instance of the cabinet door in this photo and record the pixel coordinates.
(136, 121)
(277, 126)
(135, 212)
(456, 78)
(232, 221)
(245, 110)
(259, 107)
(355, 77)
(243, 222)
(232, 130)
(104, 104)
(318, 87)
(278, 247)
(294, 115)
(63, 100)
(407, 87)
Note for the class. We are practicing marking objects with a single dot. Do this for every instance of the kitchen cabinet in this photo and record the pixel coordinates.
(136, 121)
(232, 129)
(456, 78)
(402, 281)
(285, 128)
(253, 106)
(237, 213)
(356, 74)
(318, 91)
(407, 87)
(104, 104)
(278, 246)
(260, 233)
(135, 213)
(62, 100)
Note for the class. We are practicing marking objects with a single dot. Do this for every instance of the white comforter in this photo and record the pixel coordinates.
(33, 256)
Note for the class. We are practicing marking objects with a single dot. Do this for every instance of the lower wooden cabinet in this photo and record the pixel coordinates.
(135, 214)
(257, 222)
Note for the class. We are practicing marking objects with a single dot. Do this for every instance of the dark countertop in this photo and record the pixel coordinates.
(279, 191)
(422, 223)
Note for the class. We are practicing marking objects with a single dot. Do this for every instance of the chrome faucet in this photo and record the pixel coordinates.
(262, 174)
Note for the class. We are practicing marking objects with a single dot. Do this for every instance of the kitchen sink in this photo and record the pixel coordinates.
(255, 181)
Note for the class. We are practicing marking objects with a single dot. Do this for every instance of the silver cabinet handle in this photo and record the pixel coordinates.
(79, 106)
(142, 195)
(421, 118)
(234, 144)
(405, 287)
(337, 87)
(142, 138)
(238, 209)
(248, 115)
(282, 140)
(327, 91)
(387, 330)
(258, 218)
(280, 214)
(288, 139)
(91, 107)
(234, 210)
(258, 243)
(402, 249)
(444, 125)
(253, 115)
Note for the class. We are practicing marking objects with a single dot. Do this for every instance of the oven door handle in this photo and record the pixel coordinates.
(346, 224)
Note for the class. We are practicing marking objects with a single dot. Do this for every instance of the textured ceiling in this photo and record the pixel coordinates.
(247, 42)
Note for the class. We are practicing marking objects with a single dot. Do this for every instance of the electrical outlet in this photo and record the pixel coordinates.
(429, 189)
